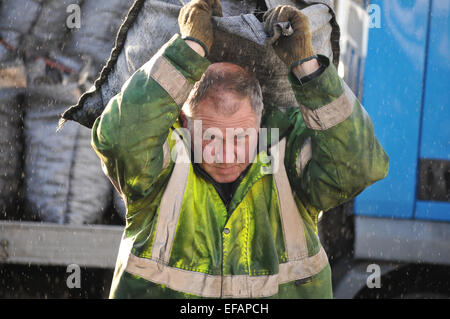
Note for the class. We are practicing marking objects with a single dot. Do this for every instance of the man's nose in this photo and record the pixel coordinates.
(229, 152)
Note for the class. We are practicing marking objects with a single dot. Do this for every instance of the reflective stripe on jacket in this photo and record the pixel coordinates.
(180, 241)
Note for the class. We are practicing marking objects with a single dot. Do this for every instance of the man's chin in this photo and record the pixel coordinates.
(225, 179)
(225, 175)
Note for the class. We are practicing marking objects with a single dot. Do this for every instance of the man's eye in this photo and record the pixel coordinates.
(212, 137)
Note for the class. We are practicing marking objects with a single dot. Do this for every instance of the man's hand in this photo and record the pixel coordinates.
(195, 20)
(297, 46)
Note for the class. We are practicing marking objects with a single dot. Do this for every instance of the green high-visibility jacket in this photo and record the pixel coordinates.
(180, 240)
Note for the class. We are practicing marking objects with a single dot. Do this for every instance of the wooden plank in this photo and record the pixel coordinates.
(52, 244)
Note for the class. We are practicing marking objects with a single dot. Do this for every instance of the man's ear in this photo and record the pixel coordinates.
(183, 119)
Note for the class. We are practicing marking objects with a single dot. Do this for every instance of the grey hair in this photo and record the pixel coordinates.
(230, 78)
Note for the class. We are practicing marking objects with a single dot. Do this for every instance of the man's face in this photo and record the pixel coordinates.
(227, 142)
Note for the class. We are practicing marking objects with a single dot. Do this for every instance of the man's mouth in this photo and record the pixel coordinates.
(226, 169)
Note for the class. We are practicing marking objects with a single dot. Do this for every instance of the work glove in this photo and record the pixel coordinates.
(296, 47)
(195, 21)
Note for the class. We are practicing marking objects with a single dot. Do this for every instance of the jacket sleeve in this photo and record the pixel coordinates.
(334, 153)
(131, 135)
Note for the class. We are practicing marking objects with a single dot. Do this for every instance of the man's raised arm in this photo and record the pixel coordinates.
(130, 135)
(338, 155)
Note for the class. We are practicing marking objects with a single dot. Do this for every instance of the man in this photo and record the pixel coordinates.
(202, 226)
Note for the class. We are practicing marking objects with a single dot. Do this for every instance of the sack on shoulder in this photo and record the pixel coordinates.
(239, 39)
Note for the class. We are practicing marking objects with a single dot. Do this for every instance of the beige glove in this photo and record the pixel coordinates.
(195, 21)
(296, 46)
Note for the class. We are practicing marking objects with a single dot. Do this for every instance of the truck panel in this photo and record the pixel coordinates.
(434, 179)
(393, 86)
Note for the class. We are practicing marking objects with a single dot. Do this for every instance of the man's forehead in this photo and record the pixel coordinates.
(221, 102)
